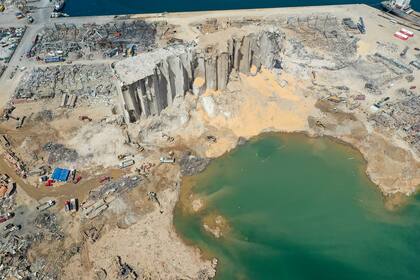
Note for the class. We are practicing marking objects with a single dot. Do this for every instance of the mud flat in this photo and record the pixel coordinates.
(194, 87)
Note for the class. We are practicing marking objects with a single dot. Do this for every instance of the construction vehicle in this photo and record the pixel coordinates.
(20, 122)
(168, 138)
(167, 160)
(404, 52)
(361, 26)
(2, 8)
(139, 147)
(6, 217)
(122, 156)
(4, 141)
(319, 124)
(85, 118)
(211, 138)
(381, 102)
(45, 205)
(126, 163)
(29, 19)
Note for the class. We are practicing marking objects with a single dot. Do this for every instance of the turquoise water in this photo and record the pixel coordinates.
(110, 7)
(301, 208)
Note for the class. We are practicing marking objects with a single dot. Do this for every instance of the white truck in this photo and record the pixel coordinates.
(45, 205)
(167, 160)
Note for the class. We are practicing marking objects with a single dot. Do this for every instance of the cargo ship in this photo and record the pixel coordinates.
(402, 9)
(59, 5)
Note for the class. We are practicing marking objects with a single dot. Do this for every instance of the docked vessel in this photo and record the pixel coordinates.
(58, 15)
(59, 5)
(402, 9)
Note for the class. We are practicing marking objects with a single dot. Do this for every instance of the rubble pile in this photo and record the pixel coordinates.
(393, 65)
(107, 40)
(402, 116)
(2, 69)
(7, 203)
(376, 72)
(327, 44)
(92, 234)
(84, 81)
(99, 199)
(14, 250)
(9, 40)
(44, 116)
(16, 163)
(191, 164)
(14, 263)
(59, 153)
(7, 189)
(117, 186)
(48, 223)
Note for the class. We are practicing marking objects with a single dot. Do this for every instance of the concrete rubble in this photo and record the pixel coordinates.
(100, 198)
(402, 116)
(9, 40)
(7, 189)
(84, 81)
(192, 164)
(59, 153)
(95, 40)
(14, 250)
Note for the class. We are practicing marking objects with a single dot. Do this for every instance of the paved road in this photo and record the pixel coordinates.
(41, 15)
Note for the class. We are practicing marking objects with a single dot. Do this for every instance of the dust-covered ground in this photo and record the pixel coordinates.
(328, 83)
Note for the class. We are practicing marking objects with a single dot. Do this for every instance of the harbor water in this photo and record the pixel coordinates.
(299, 208)
(112, 7)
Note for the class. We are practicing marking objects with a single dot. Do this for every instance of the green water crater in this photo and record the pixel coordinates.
(300, 208)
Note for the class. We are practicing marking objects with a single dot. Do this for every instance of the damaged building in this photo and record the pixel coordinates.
(151, 81)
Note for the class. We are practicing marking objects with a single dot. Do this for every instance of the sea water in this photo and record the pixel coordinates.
(300, 208)
(111, 7)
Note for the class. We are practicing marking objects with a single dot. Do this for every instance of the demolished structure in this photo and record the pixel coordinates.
(151, 81)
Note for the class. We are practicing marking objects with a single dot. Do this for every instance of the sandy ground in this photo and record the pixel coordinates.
(155, 245)
(145, 239)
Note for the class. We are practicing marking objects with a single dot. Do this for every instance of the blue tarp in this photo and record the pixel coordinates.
(60, 174)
